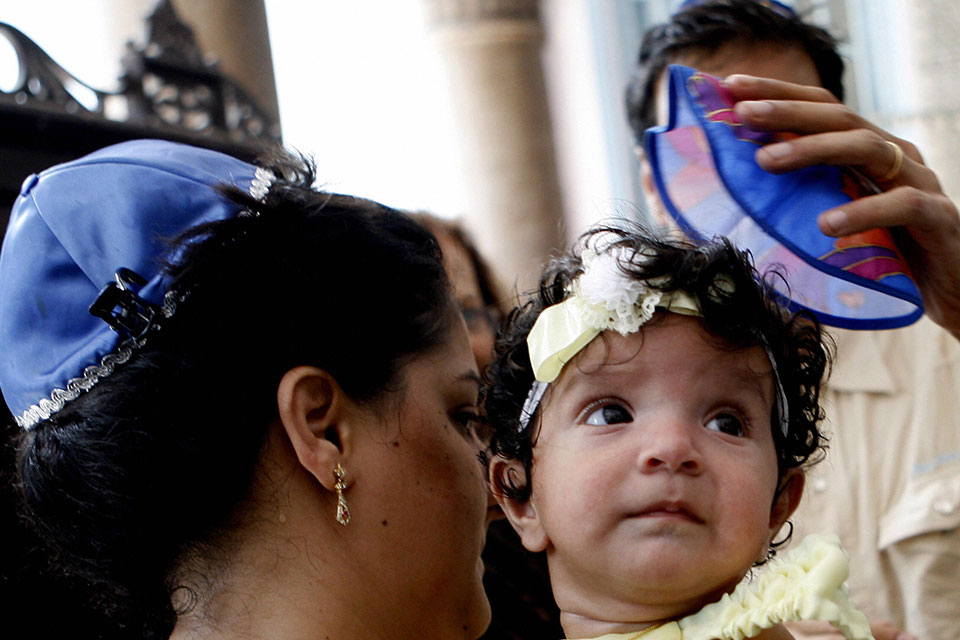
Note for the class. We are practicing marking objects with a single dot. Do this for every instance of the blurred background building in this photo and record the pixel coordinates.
(505, 113)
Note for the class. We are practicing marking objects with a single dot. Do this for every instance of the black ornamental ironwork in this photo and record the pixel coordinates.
(167, 90)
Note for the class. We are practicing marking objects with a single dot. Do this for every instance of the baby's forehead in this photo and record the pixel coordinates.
(668, 342)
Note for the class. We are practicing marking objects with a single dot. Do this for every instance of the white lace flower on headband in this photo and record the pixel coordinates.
(603, 297)
(607, 297)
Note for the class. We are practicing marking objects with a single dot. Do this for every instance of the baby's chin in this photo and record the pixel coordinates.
(665, 573)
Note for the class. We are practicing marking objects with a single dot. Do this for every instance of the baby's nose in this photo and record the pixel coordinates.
(670, 446)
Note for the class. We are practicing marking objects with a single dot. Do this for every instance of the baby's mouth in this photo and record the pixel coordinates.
(670, 510)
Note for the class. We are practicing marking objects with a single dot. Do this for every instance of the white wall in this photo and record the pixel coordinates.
(359, 87)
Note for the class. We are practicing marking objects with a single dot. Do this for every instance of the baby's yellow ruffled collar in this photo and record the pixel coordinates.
(806, 583)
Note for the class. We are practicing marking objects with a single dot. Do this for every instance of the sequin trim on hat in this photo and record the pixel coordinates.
(91, 375)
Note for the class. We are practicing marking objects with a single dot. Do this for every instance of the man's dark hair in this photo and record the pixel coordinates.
(704, 28)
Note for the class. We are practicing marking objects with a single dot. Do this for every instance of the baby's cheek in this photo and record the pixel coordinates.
(752, 506)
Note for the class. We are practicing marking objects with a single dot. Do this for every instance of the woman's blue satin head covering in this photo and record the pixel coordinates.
(72, 229)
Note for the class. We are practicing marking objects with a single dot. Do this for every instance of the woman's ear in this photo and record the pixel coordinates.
(523, 516)
(312, 407)
(787, 499)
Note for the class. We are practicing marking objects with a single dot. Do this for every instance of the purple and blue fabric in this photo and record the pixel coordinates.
(705, 171)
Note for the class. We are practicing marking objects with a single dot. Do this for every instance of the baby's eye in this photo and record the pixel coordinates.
(608, 414)
(726, 423)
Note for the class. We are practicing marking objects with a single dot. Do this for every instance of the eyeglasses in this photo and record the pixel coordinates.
(482, 318)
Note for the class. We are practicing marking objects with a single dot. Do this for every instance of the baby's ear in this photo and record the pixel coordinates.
(521, 514)
(787, 499)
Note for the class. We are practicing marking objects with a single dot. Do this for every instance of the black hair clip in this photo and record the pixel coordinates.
(119, 306)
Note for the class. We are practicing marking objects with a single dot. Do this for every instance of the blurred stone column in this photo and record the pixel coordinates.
(231, 32)
(932, 31)
(490, 50)
(234, 33)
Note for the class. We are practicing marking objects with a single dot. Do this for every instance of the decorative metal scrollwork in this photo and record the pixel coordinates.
(41, 81)
(166, 84)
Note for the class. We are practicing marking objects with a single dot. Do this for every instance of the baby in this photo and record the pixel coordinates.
(653, 408)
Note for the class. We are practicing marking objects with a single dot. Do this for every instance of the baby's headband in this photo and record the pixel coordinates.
(81, 280)
(605, 297)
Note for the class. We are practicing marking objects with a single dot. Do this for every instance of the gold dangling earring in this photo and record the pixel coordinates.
(343, 511)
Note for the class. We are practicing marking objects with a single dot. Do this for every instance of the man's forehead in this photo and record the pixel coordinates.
(789, 63)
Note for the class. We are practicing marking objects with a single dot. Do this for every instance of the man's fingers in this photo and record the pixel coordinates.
(921, 211)
(812, 118)
(862, 149)
(744, 87)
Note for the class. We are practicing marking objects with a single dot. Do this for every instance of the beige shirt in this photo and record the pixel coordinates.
(890, 483)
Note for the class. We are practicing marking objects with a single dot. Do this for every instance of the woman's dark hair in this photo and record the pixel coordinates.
(744, 315)
(137, 484)
(704, 28)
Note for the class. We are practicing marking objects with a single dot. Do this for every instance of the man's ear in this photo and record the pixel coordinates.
(787, 499)
(655, 209)
(312, 407)
(523, 516)
(646, 176)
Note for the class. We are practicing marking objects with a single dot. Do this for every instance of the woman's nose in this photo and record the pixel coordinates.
(670, 446)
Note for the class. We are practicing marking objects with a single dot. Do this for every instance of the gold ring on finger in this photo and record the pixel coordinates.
(894, 170)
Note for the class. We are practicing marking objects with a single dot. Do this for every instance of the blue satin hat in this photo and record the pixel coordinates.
(81, 282)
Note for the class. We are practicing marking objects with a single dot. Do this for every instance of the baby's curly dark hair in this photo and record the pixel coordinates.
(744, 315)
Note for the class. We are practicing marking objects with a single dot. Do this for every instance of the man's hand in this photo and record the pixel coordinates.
(925, 223)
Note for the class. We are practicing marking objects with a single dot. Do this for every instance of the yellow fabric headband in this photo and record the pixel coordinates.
(604, 297)
(563, 330)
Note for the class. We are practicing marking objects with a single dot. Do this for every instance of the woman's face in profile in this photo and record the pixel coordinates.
(427, 490)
